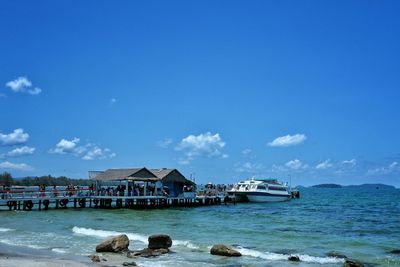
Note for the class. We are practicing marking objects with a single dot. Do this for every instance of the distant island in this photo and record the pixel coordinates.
(327, 186)
(365, 186)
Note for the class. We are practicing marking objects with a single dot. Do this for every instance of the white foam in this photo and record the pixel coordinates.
(278, 257)
(5, 229)
(105, 234)
(185, 243)
(12, 243)
(59, 250)
(131, 236)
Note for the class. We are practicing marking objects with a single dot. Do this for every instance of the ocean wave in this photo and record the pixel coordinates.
(5, 229)
(131, 236)
(13, 243)
(59, 250)
(278, 257)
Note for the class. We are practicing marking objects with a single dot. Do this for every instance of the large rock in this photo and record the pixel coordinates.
(223, 250)
(352, 263)
(116, 244)
(160, 241)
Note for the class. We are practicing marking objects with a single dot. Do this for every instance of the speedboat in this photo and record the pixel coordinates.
(260, 190)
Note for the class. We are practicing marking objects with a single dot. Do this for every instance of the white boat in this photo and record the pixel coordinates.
(260, 190)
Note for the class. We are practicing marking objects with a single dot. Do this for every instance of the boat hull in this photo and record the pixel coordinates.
(265, 197)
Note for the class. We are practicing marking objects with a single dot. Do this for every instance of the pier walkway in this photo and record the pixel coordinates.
(85, 198)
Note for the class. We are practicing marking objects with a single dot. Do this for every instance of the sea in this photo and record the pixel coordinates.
(363, 224)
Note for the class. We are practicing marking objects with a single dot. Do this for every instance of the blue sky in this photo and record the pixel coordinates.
(223, 90)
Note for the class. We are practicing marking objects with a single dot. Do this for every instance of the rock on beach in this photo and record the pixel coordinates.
(159, 241)
(293, 258)
(115, 244)
(352, 263)
(223, 250)
(147, 253)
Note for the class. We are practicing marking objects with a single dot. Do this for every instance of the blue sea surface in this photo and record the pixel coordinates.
(363, 224)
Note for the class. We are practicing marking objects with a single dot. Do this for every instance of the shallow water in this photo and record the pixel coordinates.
(362, 224)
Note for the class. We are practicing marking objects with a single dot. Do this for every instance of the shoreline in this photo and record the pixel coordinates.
(15, 256)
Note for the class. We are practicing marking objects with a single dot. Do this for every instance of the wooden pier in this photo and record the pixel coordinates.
(104, 202)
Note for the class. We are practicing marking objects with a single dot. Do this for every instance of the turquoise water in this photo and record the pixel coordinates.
(362, 224)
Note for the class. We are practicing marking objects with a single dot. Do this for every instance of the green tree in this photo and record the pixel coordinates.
(6, 179)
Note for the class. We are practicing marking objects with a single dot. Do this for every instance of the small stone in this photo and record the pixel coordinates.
(352, 263)
(129, 263)
(223, 250)
(293, 258)
(94, 258)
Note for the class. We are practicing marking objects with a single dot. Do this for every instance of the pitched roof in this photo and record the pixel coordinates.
(125, 174)
(161, 173)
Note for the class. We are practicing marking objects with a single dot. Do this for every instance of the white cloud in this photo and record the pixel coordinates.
(95, 152)
(20, 151)
(113, 101)
(324, 165)
(15, 166)
(3, 95)
(165, 143)
(23, 85)
(201, 145)
(288, 140)
(15, 138)
(248, 167)
(86, 152)
(66, 146)
(19, 85)
(295, 164)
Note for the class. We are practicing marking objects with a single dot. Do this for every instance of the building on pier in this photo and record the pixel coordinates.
(142, 182)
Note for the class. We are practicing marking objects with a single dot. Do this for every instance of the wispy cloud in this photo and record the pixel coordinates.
(246, 151)
(248, 167)
(388, 169)
(288, 140)
(6, 165)
(23, 85)
(165, 143)
(349, 163)
(296, 164)
(113, 101)
(206, 144)
(17, 137)
(324, 165)
(20, 151)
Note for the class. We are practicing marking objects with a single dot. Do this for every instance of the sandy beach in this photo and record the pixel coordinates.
(17, 256)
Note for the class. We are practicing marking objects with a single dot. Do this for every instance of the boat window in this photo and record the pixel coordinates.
(262, 187)
(277, 188)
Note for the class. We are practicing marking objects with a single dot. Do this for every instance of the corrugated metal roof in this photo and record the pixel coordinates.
(123, 174)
